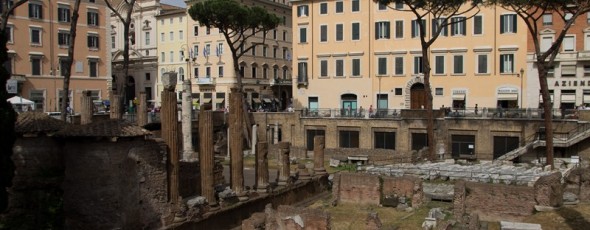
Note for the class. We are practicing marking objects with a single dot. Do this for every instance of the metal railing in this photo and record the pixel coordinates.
(350, 113)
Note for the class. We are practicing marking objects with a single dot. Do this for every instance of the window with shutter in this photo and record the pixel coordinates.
(382, 68)
(323, 68)
(356, 31)
(339, 32)
(399, 65)
(478, 25)
(323, 33)
(439, 62)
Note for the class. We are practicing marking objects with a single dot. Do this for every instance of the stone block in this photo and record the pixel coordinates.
(506, 225)
(169, 80)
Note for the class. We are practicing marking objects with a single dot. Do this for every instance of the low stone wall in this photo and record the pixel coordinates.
(367, 189)
(110, 185)
(228, 218)
(501, 201)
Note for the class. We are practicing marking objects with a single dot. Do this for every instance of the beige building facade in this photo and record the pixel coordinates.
(172, 48)
(38, 43)
(266, 68)
(359, 53)
(143, 55)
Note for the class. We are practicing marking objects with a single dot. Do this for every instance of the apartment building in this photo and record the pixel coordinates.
(569, 79)
(172, 47)
(143, 55)
(38, 43)
(352, 54)
(266, 69)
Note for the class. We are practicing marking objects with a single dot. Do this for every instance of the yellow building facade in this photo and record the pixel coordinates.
(172, 47)
(359, 53)
(38, 41)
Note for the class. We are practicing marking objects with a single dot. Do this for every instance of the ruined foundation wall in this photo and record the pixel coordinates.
(491, 201)
(407, 186)
(111, 185)
(358, 189)
(36, 186)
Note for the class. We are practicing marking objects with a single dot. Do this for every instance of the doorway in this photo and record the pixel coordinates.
(417, 96)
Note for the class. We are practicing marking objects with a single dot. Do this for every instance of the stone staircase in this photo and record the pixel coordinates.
(582, 132)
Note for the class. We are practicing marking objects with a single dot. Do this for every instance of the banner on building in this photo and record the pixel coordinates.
(11, 86)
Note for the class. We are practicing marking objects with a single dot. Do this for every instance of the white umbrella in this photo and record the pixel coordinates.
(16, 100)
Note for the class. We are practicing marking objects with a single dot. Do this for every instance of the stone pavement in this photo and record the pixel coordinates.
(485, 172)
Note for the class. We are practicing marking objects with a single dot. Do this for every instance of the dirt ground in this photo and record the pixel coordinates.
(351, 216)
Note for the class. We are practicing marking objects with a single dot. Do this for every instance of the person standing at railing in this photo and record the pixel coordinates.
(476, 110)
(371, 111)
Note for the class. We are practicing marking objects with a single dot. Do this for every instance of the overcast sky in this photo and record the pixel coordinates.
(174, 2)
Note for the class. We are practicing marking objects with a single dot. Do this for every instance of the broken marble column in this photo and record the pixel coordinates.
(236, 120)
(188, 153)
(284, 167)
(87, 108)
(262, 167)
(116, 106)
(318, 155)
(207, 156)
(142, 110)
(303, 172)
(169, 120)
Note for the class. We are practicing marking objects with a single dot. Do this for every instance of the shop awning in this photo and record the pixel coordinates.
(256, 100)
(507, 97)
(266, 100)
(277, 100)
(458, 97)
(206, 100)
(568, 98)
(219, 100)
(541, 98)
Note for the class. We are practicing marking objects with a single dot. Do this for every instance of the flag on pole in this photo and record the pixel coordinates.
(205, 51)
(288, 56)
(190, 53)
(217, 51)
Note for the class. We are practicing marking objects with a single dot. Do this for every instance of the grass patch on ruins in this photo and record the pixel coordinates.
(566, 217)
(353, 216)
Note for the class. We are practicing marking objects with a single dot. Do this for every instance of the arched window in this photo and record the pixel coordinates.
(181, 74)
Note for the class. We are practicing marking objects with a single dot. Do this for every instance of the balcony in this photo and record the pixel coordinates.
(301, 80)
(584, 55)
(279, 81)
(205, 81)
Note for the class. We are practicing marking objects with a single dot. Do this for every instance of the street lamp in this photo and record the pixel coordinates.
(521, 92)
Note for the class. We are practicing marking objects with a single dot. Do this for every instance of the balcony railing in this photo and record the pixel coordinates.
(452, 113)
(279, 81)
(205, 81)
(302, 80)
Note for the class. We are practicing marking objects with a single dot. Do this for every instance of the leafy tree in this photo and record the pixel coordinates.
(238, 23)
(7, 114)
(532, 11)
(127, 8)
(439, 11)
(67, 69)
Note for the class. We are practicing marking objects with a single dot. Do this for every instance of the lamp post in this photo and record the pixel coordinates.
(521, 92)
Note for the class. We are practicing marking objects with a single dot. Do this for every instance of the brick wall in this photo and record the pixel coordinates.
(359, 189)
(110, 185)
(491, 201)
(364, 189)
(35, 190)
(407, 186)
